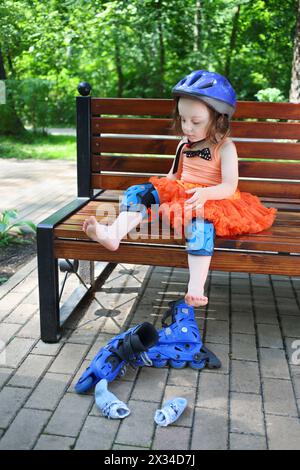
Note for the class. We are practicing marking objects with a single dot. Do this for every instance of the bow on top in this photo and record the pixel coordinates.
(203, 153)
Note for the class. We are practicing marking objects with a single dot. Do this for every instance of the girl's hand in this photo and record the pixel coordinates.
(198, 199)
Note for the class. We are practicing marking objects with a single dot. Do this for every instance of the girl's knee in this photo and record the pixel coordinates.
(139, 198)
(200, 237)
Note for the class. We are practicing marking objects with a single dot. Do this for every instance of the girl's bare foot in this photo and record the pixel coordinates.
(100, 233)
(196, 301)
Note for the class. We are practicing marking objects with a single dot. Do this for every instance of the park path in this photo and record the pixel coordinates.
(36, 187)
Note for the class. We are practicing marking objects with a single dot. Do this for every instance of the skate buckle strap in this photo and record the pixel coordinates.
(171, 312)
(146, 359)
(127, 348)
(127, 353)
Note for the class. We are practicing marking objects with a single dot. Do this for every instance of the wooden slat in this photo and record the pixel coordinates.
(132, 106)
(277, 232)
(131, 126)
(269, 199)
(273, 150)
(162, 146)
(100, 211)
(283, 218)
(145, 126)
(176, 257)
(164, 107)
(270, 170)
(286, 207)
(289, 245)
(163, 165)
(259, 188)
(266, 110)
(270, 188)
(274, 239)
(266, 130)
(289, 208)
(132, 164)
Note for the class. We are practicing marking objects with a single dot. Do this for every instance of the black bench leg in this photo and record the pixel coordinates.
(48, 286)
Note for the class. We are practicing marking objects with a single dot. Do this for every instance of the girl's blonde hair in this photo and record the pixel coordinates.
(219, 123)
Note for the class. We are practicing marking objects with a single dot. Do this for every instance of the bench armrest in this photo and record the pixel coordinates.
(63, 213)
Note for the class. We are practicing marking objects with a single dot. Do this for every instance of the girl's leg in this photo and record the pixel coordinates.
(110, 235)
(132, 210)
(198, 267)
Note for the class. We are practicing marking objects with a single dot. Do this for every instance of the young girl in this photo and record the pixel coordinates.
(203, 181)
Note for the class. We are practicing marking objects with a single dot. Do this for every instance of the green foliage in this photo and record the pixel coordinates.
(8, 122)
(270, 94)
(137, 48)
(11, 231)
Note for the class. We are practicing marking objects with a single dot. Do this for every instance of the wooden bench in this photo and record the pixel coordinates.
(107, 164)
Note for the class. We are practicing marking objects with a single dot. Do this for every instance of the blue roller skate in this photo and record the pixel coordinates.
(110, 361)
(180, 342)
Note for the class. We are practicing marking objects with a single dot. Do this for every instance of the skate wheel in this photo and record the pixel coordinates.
(197, 365)
(177, 364)
(159, 363)
(122, 372)
(84, 385)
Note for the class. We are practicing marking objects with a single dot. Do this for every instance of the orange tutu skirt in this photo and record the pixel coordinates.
(241, 213)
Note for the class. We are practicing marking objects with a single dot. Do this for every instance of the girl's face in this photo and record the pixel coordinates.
(195, 118)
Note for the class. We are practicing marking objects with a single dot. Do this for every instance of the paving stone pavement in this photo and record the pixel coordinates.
(252, 322)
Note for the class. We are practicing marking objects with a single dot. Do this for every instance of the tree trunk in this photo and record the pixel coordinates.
(232, 41)
(119, 68)
(197, 26)
(2, 69)
(295, 79)
(161, 87)
(10, 65)
(145, 77)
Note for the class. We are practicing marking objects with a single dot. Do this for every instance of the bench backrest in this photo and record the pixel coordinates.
(121, 142)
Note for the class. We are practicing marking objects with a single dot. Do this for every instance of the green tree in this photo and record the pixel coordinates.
(138, 48)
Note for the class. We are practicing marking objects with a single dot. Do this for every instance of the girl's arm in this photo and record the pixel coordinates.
(230, 174)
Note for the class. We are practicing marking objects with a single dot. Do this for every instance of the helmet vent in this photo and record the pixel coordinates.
(207, 84)
(195, 77)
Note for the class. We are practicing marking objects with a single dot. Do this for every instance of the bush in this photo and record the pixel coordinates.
(270, 94)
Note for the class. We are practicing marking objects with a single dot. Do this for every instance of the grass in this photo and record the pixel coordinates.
(38, 146)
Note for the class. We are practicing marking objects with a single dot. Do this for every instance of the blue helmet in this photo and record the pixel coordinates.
(210, 87)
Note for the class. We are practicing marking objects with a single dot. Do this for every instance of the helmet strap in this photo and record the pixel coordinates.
(190, 144)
